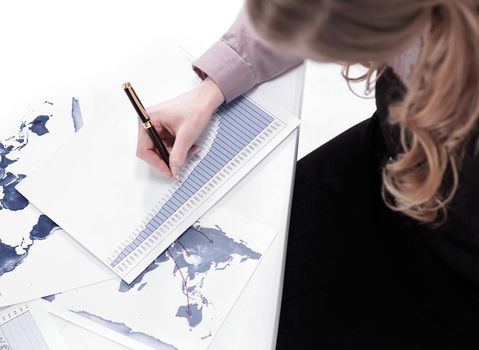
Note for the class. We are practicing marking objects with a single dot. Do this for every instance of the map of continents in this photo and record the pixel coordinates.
(11, 150)
(199, 251)
(193, 260)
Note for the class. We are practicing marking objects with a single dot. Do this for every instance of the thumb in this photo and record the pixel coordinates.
(179, 152)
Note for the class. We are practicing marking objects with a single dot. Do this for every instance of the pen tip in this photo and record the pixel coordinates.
(178, 178)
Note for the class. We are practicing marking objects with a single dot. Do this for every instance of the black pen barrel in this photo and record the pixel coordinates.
(136, 105)
(145, 120)
(159, 144)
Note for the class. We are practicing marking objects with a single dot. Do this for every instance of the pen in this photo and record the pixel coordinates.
(146, 122)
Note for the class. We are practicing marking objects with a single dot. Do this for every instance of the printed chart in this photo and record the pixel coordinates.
(237, 131)
(181, 300)
(31, 244)
(28, 327)
(19, 331)
(137, 214)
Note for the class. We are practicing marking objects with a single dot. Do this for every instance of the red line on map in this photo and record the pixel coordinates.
(184, 248)
(184, 285)
(204, 234)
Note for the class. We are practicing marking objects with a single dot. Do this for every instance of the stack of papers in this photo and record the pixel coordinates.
(37, 258)
(29, 327)
(111, 245)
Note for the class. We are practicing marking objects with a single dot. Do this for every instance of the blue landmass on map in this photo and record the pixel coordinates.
(38, 125)
(125, 287)
(216, 250)
(193, 312)
(11, 199)
(43, 228)
(4, 150)
(10, 258)
(50, 297)
(76, 114)
(122, 328)
(213, 249)
(4, 161)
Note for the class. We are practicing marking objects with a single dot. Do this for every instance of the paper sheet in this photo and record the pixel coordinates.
(29, 327)
(36, 257)
(183, 297)
(125, 214)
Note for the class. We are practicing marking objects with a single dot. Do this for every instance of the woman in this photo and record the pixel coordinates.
(387, 256)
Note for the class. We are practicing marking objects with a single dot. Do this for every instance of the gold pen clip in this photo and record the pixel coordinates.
(147, 124)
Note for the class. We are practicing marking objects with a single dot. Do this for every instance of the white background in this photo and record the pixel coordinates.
(41, 41)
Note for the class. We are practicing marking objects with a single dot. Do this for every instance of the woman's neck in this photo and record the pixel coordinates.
(404, 63)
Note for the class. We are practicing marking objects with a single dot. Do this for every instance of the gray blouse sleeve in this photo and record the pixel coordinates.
(240, 60)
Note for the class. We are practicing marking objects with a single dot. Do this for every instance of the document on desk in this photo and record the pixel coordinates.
(181, 300)
(125, 214)
(29, 327)
(36, 257)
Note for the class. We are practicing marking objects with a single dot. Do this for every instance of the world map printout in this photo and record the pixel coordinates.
(183, 297)
(36, 256)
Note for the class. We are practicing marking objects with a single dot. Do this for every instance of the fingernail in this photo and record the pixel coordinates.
(175, 170)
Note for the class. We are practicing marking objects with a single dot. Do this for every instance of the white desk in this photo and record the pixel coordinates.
(93, 40)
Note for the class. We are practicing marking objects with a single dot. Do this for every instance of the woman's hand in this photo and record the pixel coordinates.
(179, 121)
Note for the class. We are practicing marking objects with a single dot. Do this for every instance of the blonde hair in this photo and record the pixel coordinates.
(440, 111)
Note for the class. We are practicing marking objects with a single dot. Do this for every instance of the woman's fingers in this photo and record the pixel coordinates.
(179, 152)
(193, 149)
(145, 150)
(179, 122)
(179, 147)
(154, 160)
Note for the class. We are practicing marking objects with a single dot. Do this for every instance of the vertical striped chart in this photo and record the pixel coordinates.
(19, 331)
(238, 130)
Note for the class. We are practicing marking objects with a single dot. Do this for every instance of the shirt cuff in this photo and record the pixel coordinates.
(226, 68)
